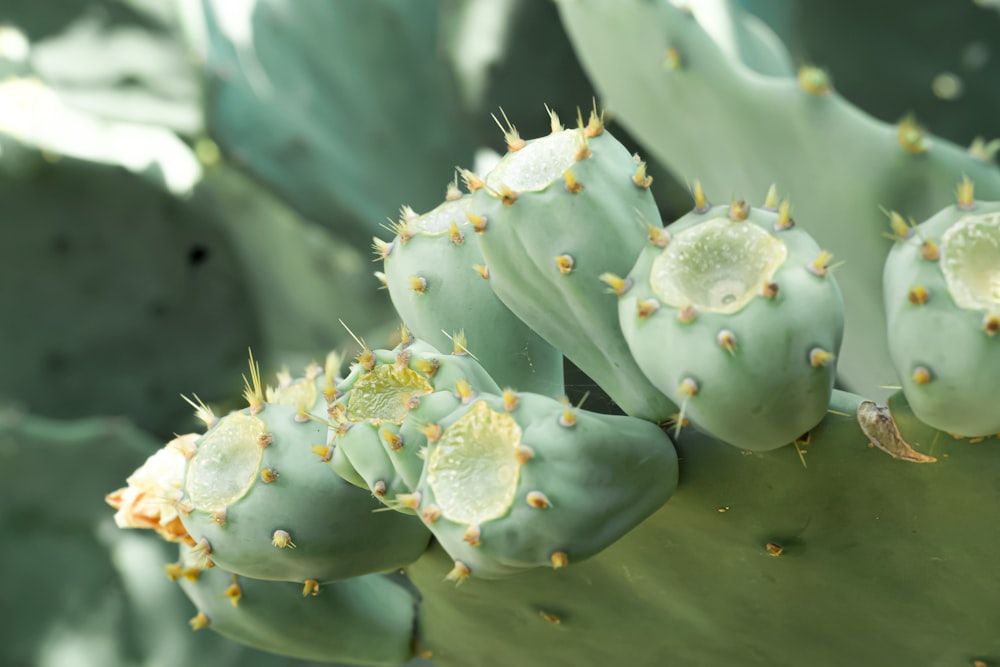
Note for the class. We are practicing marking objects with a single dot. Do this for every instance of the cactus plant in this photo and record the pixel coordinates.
(438, 502)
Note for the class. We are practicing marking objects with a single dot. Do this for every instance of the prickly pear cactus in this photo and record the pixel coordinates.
(434, 502)
(735, 312)
(559, 212)
(942, 299)
(521, 481)
(255, 499)
(428, 268)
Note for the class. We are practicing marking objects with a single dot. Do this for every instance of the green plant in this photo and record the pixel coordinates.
(743, 510)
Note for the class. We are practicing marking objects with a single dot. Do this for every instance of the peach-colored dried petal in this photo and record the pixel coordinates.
(153, 493)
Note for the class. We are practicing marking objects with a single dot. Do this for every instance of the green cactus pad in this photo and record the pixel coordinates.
(263, 504)
(430, 270)
(369, 620)
(942, 299)
(735, 313)
(560, 212)
(523, 481)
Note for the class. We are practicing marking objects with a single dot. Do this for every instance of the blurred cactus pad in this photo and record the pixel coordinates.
(479, 333)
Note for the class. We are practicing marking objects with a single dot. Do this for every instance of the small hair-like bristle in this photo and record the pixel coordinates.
(911, 136)
(771, 201)
(538, 500)
(381, 249)
(595, 122)
(472, 182)
(966, 194)
(618, 285)
(701, 203)
(510, 400)
(785, 220)
(554, 124)
(253, 392)
(640, 178)
(452, 192)
(573, 186)
(673, 60)
(455, 234)
(821, 265)
(510, 135)
(739, 210)
(564, 263)
(814, 80)
(202, 411)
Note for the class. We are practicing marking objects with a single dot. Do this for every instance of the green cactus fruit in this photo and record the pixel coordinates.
(942, 301)
(372, 402)
(438, 281)
(523, 481)
(734, 311)
(368, 620)
(259, 502)
(559, 212)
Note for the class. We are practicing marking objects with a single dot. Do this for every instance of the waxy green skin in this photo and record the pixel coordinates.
(601, 476)
(409, 461)
(332, 524)
(950, 341)
(764, 393)
(367, 620)
(361, 454)
(458, 299)
(878, 565)
(602, 228)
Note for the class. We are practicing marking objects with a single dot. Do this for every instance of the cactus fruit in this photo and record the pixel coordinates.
(367, 620)
(383, 387)
(559, 212)
(942, 300)
(438, 282)
(256, 497)
(734, 311)
(522, 481)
